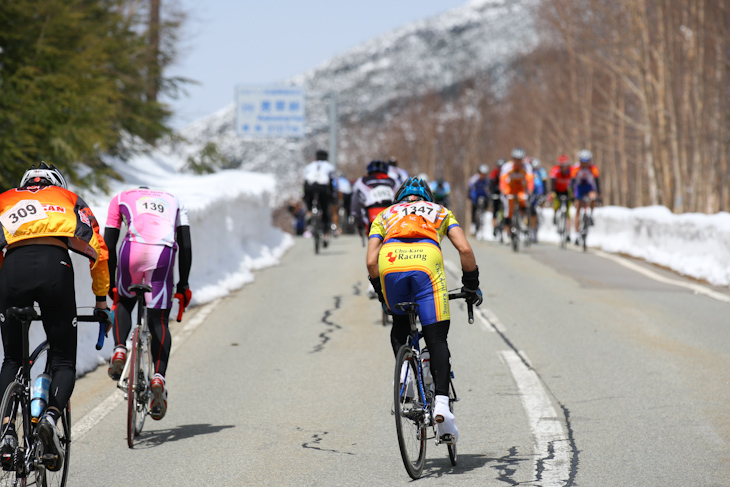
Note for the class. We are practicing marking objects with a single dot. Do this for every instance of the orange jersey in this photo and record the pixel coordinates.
(51, 211)
(562, 178)
(418, 220)
(516, 181)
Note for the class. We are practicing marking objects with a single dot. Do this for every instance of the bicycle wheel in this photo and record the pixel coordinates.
(584, 230)
(515, 236)
(13, 404)
(452, 402)
(317, 236)
(48, 478)
(562, 225)
(409, 418)
(135, 390)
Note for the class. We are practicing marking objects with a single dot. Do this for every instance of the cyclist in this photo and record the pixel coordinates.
(538, 194)
(41, 221)
(560, 178)
(441, 191)
(479, 188)
(318, 181)
(404, 263)
(372, 193)
(157, 227)
(397, 174)
(585, 183)
(515, 183)
(494, 191)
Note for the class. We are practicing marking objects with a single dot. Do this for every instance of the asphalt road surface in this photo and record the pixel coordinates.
(577, 371)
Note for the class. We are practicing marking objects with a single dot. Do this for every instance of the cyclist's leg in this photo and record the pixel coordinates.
(324, 201)
(57, 301)
(17, 282)
(435, 336)
(159, 302)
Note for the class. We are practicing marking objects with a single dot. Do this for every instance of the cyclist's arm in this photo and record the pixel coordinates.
(466, 254)
(185, 256)
(374, 244)
(111, 236)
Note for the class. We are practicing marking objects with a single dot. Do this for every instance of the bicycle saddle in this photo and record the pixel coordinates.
(407, 307)
(139, 288)
(26, 314)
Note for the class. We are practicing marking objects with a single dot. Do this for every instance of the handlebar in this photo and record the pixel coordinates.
(469, 306)
(28, 314)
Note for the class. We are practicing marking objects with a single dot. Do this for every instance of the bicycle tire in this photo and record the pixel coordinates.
(452, 400)
(562, 226)
(515, 237)
(48, 478)
(14, 404)
(132, 385)
(584, 230)
(144, 397)
(409, 419)
(317, 237)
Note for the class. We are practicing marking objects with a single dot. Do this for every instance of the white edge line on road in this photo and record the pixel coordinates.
(93, 417)
(653, 275)
(552, 445)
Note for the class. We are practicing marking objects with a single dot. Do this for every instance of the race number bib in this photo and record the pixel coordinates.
(425, 210)
(155, 206)
(24, 211)
(381, 193)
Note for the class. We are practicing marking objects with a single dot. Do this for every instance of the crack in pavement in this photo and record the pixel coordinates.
(317, 439)
(331, 327)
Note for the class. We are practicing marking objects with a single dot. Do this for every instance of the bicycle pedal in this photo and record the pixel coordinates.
(447, 438)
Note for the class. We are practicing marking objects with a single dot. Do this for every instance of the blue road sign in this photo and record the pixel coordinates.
(270, 111)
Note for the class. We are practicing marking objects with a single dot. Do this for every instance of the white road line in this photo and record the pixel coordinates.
(93, 417)
(697, 288)
(552, 445)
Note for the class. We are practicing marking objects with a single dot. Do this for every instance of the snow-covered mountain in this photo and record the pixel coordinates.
(483, 36)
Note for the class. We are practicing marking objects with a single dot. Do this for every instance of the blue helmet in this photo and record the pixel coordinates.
(418, 188)
(378, 166)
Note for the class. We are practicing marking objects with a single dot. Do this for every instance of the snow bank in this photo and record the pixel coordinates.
(693, 244)
(231, 231)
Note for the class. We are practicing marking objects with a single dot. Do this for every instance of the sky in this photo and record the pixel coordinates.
(227, 42)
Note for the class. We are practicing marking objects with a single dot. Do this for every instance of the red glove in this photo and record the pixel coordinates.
(184, 295)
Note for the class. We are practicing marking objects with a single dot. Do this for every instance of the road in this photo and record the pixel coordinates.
(577, 371)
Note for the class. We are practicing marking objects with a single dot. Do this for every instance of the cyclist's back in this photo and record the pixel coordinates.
(157, 228)
(405, 264)
(372, 193)
(41, 221)
(318, 183)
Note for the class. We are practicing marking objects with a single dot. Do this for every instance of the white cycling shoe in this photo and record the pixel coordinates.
(445, 421)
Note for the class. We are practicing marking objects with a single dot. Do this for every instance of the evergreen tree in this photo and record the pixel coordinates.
(73, 82)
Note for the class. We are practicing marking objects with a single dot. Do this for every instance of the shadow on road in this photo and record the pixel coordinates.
(506, 466)
(151, 439)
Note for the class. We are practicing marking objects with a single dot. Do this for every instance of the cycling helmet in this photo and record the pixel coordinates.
(518, 153)
(585, 155)
(483, 169)
(500, 162)
(536, 163)
(322, 155)
(414, 189)
(563, 160)
(378, 166)
(44, 175)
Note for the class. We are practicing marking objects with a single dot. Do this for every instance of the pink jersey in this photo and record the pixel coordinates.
(151, 216)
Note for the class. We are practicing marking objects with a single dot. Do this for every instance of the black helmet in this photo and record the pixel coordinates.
(414, 189)
(378, 166)
(44, 175)
(322, 155)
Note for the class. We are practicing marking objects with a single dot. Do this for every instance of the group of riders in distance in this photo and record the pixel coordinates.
(514, 190)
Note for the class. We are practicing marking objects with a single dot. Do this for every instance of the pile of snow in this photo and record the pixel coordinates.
(692, 244)
(231, 231)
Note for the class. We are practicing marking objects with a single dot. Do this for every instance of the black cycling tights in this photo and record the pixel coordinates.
(435, 336)
(41, 274)
(158, 322)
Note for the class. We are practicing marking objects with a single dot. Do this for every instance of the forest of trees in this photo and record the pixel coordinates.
(644, 84)
(79, 79)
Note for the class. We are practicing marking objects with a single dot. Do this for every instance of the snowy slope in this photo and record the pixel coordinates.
(433, 54)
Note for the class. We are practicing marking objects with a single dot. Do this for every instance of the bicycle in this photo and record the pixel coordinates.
(29, 458)
(561, 221)
(414, 412)
(585, 221)
(519, 229)
(137, 372)
(481, 207)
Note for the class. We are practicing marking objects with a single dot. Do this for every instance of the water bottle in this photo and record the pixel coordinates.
(39, 396)
(426, 365)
